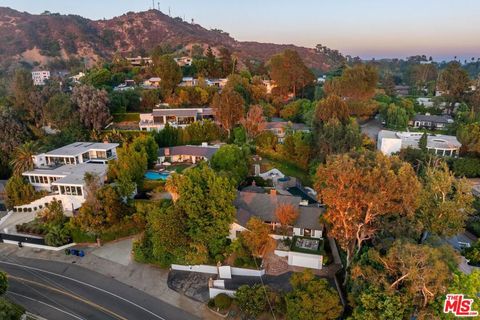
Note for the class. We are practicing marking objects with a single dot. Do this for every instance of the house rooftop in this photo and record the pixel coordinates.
(70, 174)
(182, 112)
(411, 139)
(189, 150)
(433, 118)
(78, 148)
(250, 204)
(285, 124)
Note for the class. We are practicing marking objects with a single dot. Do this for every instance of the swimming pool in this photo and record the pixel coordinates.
(153, 175)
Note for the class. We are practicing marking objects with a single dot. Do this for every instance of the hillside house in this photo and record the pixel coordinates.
(180, 117)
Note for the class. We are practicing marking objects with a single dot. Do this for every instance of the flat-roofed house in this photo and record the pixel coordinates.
(180, 117)
(40, 76)
(61, 172)
(390, 142)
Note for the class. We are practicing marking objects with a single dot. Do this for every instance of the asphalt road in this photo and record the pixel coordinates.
(63, 291)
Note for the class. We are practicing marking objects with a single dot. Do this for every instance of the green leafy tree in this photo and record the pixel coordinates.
(22, 87)
(18, 191)
(469, 136)
(167, 69)
(231, 161)
(396, 117)
(473, 253)
(147, 144)
(13, 132)
(289, 72)
(333, 137)
(57, 236)
(59, 111)
(3, 283)
(252, 300)
(10, 311)
(130, 165)
(422, 143)
(445, 202)
(312, 298)
(207, 200)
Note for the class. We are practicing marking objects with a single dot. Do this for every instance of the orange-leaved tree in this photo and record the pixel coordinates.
(257, 237)
(228, 107)
(358, 189)
(254, 122)
(286, 214)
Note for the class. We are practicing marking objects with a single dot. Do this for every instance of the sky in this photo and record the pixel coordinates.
(367, 28)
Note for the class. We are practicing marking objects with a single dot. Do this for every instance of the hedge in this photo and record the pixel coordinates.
(124, 117)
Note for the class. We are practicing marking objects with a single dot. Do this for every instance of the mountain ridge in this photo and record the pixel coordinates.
(41, 38)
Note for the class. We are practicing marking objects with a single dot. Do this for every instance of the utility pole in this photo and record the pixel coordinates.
(153, 4)
(158, 3)
(169, 12)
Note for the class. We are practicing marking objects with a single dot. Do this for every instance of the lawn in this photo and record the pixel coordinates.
(287, 169)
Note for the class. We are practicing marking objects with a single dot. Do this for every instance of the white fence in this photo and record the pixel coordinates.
(298, 259)
(214, 270)
(39, 246)
(213, 292)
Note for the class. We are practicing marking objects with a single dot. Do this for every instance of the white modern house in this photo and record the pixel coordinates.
(40, 76)
(183, 61)
(390, 142)
(180, 117)
(61, 172)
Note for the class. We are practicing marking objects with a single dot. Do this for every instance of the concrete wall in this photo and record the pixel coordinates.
(216, 291)
(68, 202)
(389, 145)
(202, 268)
(234, 227)
(38, 246)
(305, 260)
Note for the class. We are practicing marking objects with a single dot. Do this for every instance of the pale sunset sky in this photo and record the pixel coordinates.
(368, 28)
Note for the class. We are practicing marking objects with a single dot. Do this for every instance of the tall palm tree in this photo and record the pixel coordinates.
(22, 157)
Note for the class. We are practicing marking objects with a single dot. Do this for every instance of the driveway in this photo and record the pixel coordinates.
(371, 128)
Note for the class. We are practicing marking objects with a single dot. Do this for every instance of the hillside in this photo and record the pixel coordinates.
(40, 38)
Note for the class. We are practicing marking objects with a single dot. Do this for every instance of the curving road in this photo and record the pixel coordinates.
(63, 291)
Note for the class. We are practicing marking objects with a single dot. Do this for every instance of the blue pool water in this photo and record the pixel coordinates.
(152, 175)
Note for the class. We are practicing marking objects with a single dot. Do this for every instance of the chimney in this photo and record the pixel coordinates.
(167, 152)
(273, 192)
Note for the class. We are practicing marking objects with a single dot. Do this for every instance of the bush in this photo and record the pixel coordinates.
(473, 254)
(222, 301)
(474, 228)
(466, 167)
(123, 117)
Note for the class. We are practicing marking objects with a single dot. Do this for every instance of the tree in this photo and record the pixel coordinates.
(257, 237)
(10, 311)
(13, 133)
(286, 214)
(103, 208)
(469, 136)
(59, 111)
(207, 201)
(22, 158)
(332, 107)
(312, 298)
(167, 69)
(454, 81)
(130, 165)
(422, 143)
(289, 72)
(18, 191)
(417, 274)
(56, 236)
(146, 144)
(333, 137)
(231, 161)
(445, 202)
(295, 111)
(251, 300)
(396, 117)
(357, 189)
(228, 107)
(357, 87)
(3, 283)
(92, 106)
(22, 87)
(254, 123)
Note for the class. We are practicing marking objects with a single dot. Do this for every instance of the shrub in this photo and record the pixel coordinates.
(123, 117)
(222, 301)
(473, 254)
(466, 167)
(474, 227)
